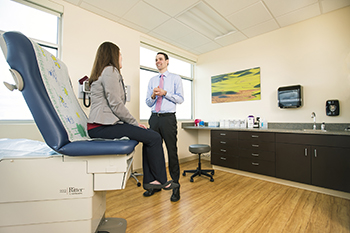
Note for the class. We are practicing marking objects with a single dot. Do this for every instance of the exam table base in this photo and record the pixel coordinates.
(59, 194)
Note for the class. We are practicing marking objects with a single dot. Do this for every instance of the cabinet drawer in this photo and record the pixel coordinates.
(257, 166)
(224, 149)
(267, 137)
(256, 145)
(225, 160)
(257, 154)
(224, 134)
(223, 142)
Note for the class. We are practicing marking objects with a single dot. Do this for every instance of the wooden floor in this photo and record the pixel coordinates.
(232, 203)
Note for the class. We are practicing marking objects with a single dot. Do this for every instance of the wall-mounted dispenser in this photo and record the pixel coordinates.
(290, 96)
(332, 107)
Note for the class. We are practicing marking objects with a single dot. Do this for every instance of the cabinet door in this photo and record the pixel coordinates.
(293, 162)
(331, 168)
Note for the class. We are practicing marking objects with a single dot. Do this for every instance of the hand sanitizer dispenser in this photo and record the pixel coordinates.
(250, 122)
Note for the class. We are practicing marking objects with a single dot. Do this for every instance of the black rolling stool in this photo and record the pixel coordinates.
(199, 149)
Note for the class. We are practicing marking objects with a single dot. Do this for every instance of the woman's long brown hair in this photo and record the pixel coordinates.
(107, 55)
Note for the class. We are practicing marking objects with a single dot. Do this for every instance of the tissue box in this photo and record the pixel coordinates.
(213, 124)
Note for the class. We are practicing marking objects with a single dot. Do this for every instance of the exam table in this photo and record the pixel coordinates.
(64, 191)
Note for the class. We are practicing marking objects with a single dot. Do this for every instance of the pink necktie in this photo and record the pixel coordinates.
(160, 98)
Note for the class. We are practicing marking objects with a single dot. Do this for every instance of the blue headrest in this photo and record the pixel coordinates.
(21, 57)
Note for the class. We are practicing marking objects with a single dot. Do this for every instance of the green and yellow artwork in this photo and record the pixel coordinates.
(237, 86)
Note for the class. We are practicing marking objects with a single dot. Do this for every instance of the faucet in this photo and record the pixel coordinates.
(313, 115)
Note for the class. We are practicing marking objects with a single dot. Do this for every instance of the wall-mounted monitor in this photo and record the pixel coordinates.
(290, 96)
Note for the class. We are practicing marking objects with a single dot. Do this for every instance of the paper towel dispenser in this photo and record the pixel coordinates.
(290, 96)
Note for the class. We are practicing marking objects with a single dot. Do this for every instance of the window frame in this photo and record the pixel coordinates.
(174, 55)
(51, 8)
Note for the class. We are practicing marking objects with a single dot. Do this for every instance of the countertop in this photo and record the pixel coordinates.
(300, 128)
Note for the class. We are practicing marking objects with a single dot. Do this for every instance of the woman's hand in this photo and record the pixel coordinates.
(142, 126)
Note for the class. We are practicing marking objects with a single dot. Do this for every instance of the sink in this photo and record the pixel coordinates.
(314, 130)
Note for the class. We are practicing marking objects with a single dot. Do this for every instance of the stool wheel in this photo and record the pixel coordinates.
(138, 184)
(212, 173)
(184, 174)
(191, 179)
(212, 180)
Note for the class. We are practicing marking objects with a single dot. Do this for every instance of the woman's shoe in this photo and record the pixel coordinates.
(161, 186)
(172, 185)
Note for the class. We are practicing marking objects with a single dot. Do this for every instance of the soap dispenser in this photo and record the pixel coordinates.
(250, 122)
(257, 122)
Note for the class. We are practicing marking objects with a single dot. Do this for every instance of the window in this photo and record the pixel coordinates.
(41, 25)
(178, 66)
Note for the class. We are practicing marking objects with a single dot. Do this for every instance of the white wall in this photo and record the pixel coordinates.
(312, 53)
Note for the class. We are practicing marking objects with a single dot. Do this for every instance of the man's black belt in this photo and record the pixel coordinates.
(163, 114)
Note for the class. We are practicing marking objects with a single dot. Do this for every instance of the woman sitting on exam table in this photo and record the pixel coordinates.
(110, 119)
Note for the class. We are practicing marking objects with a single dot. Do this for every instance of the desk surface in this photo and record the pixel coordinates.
(288, 128)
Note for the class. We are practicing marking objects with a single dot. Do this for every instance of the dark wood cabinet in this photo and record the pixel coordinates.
(320, 160)
(247, 151)
(224, 149)
(293, 162)
(331, 167)
(257, 152)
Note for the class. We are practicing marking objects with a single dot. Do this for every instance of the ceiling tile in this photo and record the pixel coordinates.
(115, 7)
(278, 7)
(133, 26)
(160, 37)
(205, 20)
(199, 26)
(171, 7)
(169, 40)
(261, 28)
(299, 15)
(145, 16)
(331, 5)
(207, 47)
(226, 8)
(100, 12)
(231, 38)
(250, 16)
(193, 40)
(172, 29)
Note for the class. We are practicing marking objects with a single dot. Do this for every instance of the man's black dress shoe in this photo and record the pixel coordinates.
(176, 195)
(150, 192)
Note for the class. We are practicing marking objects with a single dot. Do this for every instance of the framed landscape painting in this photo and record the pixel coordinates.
(237, 86)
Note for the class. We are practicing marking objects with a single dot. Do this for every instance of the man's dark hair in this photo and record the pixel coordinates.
(165, 55)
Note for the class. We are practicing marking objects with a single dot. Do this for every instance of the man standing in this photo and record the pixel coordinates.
(164, 92)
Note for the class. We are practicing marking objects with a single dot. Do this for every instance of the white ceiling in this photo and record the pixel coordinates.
(224, 22)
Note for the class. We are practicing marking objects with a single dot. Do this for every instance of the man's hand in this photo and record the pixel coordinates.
(158, 92)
